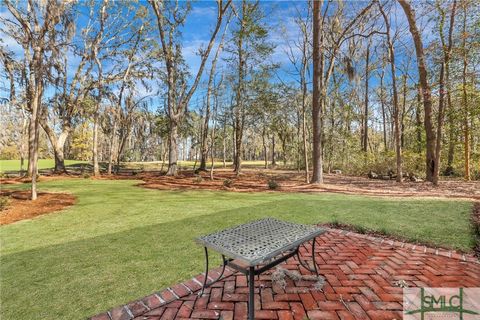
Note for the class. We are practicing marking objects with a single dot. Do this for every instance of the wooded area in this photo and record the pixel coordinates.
(365, 87)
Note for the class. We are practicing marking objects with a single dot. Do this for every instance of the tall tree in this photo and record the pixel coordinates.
(211, 76)
(366, 110)
(430, 160)
(317, 87)
(396, 107)
(466, 111)
(299, 53)
(248, 50)
(444, 77)
(34, 26)
(170, 16)
(327, 39)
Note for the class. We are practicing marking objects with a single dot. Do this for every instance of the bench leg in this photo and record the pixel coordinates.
(251, 293)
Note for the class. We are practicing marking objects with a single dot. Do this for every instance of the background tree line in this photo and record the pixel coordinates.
(356, 86)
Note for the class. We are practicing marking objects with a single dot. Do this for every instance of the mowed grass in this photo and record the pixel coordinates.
(14, 165)
(121, 242)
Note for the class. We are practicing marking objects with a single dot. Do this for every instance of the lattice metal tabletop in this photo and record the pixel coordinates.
(259, 241)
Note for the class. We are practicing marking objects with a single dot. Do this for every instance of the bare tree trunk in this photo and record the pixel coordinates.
(239, 112)
(382, 104)
(172, 150)
(110, 151)
(304, 132)
(441, 101)
(466, 112)
(211, 77)
(224, 138)
(425, 87)
(238, 147)
(418, 120)
(34, 134)
(274, 162)
(396, 111)
(234, 145)
(265, 150)
(212, 145)
(317, 99)
(404, 108)
(96, 168)
(58, 145)
(365, 123)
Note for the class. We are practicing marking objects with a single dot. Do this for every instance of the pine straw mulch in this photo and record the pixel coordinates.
(291, 181)
(20, 207)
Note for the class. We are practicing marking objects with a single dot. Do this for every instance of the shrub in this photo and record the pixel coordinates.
(228, 183)
(272, 184)
(198, 179)
(86, 176)
(3, 203)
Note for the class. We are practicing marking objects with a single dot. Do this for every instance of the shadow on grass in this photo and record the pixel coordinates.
(79, 278)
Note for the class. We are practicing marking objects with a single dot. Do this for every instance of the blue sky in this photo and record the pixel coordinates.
(197, 31)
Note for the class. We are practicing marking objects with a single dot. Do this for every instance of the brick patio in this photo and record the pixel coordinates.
(363, 275)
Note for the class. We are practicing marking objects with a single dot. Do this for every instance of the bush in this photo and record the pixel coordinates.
(86, 176)
(198, 179)
(359, 164)
(228, 183)
(272, 184)
(3, 203)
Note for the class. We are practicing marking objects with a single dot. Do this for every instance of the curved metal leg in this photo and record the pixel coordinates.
(313, 256)
(206, 272)
(205, 284)
(303, 264)
(251, 293)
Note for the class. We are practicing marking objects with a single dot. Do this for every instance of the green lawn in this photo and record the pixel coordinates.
(121, 242)
(14, 165)
(156, 165)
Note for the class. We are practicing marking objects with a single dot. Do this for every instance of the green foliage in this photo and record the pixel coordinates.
(9, 152)
(272, 184)
(81, 145)
(228, 183)
(360, 163)
(3, 203)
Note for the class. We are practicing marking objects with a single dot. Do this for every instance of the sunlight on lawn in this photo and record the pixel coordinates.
(121, 242)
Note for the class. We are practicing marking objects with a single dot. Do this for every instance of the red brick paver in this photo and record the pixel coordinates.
(363, 279)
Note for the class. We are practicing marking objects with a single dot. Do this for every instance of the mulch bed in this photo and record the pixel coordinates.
(20, 207)
(291, 181)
